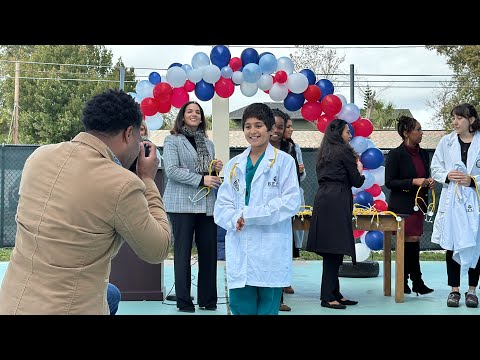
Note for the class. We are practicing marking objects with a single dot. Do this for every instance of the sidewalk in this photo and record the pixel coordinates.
(306, 300)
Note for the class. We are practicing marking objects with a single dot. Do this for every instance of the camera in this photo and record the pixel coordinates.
(147, 149)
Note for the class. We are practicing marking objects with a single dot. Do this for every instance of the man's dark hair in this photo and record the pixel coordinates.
(111, 112)
(258, 111)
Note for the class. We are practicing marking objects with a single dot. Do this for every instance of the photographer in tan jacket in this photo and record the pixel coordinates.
(78, 203)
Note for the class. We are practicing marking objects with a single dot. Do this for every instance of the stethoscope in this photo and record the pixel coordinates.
(430, 207)
(205, 190)
(459, 196)
(232, 173)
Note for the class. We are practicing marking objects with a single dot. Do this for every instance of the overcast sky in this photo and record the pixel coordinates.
(382, 60)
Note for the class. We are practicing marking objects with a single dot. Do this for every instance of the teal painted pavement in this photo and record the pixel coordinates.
(306, 299)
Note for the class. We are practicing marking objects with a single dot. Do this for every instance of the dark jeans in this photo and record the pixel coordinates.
(453, 272)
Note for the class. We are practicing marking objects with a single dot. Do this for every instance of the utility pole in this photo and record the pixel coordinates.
(352, 84)
(15, 103)
(122, 78)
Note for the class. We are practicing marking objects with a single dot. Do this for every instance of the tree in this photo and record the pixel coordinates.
(382, 115)
(323, 62)
(465, 62)
(55, 83)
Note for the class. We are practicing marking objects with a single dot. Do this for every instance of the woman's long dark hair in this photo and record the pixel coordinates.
(332, 142)
(180, 119)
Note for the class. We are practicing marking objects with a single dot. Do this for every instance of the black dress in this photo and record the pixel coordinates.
(331, 223)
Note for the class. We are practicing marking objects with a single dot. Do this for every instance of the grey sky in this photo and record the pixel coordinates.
(390, 60)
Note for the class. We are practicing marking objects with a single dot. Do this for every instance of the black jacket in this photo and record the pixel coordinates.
(399, 173)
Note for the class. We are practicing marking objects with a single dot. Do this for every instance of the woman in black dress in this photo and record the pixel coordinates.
(331, 232)
(407, 168)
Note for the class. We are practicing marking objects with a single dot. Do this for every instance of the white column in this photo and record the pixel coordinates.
(220, 128)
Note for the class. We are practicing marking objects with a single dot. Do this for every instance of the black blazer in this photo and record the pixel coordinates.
(399, 173)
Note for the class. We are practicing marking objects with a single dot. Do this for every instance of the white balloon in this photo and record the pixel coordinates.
(379, 174)
(362, 252)
(144, 88)
(370, 144)
(278, 92)
(248, 89)
(350, 112)
(154, 122)
(237, 77)
(285, 63)
(265, 82)
(359, 144)
(194, 75)
(369, 179)
(200, 60)
(176, 76)
(186, 68)
(380, 197)
(211, 74)
(297, 83)
(135, 97)
(342, 98)
(362, 237)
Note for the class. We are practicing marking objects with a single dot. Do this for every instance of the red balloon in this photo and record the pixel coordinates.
(189, 86)
(164, 104)
(235, 63)
(375, 190)
(161, 90)
(358, 233)
(311, 110)
(323, 121)
(313, 93)
(224, 87)
(281, 76)
(362, 127)
(380, 205)
(149, 106)
(179, 97)
(331, 104)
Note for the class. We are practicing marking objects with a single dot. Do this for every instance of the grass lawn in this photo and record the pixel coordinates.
(434, 255)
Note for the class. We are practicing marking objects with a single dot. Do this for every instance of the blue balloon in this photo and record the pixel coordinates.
(374, 240)
(154, 78)
(175, 64)
(310, 76)
(326, 87)
(268, 64)
(352, 130)
(264, 53)
(251, 73)
(204, 91)
(363, 198)
(372, 158)
(220, 56)
(294, 102)
(249, 55)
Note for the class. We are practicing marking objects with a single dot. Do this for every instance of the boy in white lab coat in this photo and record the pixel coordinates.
(255, 204)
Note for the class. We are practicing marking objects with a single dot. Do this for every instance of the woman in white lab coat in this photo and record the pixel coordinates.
(255, 204)
(455, 163)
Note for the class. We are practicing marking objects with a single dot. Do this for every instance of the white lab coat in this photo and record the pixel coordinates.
(261, 253)
(457, 222)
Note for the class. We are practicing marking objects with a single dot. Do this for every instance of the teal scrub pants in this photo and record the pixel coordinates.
(252, 300)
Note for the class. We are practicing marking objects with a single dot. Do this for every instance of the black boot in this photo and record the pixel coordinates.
(418, 286)
(406, 271)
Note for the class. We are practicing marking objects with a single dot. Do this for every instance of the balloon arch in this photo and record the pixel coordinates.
(220, 73)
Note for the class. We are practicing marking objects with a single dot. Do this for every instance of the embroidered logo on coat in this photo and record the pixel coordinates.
(477, 164)
(272, 183)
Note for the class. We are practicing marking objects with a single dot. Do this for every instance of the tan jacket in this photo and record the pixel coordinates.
(76, 207)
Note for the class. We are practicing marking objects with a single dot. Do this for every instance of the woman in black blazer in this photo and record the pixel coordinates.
(407, 168)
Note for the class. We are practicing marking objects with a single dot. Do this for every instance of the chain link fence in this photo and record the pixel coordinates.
(13, 158)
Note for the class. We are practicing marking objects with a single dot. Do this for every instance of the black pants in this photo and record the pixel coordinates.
(184, 227)
(330, 290)
(453, 272)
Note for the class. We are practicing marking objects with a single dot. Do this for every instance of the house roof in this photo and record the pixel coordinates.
(383, 139)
